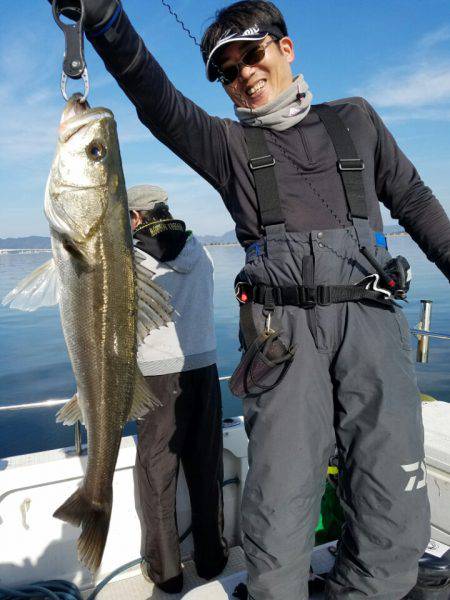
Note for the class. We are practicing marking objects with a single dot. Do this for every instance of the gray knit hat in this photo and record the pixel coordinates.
(145, 197)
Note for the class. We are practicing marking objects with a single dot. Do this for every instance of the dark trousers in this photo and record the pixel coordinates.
(188, 426)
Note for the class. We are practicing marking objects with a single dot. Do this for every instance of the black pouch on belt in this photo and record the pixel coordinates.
(262, 366)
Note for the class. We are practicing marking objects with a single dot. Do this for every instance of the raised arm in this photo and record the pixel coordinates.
(409, 200)
(197, 138)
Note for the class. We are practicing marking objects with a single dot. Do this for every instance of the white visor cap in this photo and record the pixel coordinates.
(252, 34)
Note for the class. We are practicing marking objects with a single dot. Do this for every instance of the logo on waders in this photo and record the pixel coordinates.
(421, 471)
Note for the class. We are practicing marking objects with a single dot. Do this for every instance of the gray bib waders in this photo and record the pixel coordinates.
(351, 382)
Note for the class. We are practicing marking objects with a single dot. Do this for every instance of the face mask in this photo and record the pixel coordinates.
(163, 240)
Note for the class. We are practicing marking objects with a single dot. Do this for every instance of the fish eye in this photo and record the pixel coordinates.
(96, 150)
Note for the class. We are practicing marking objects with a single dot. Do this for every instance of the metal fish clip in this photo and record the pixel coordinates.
(74, 65)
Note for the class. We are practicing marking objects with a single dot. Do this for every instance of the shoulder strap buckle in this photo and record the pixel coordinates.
(261, 162)
(350, 164)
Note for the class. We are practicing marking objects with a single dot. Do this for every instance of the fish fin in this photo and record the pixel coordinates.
(94, 520)
(40, 288)
(154, 309)
(70, 413)
(143, 399)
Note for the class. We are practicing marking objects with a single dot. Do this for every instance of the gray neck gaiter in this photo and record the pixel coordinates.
(288, 109)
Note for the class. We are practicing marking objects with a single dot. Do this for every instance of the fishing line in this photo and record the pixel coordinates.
(181, 22)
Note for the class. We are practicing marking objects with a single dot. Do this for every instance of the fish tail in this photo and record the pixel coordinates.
(79, 510)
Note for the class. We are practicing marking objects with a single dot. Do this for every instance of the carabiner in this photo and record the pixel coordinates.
(267, 325)
(63, 85)
(74, 65)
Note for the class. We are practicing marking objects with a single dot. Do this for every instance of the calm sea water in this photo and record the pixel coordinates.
(34, 365)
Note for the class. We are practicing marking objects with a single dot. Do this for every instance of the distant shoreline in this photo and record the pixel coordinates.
(42, 246)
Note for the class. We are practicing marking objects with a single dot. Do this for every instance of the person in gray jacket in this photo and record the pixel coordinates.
(328, 350)
(178, 361)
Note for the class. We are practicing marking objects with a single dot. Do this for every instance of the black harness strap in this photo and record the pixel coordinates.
(262, 164)
(349, 165)
(350, 168)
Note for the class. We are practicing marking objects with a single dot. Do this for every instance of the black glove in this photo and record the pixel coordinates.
(96, 12)
(399, 270)
(241, 592)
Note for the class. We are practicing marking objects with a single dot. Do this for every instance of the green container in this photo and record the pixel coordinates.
(331, 517)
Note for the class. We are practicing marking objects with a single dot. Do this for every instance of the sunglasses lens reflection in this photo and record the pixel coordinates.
(253, 56)
(250, 58)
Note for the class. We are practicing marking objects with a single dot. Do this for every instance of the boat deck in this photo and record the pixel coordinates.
(135, 587)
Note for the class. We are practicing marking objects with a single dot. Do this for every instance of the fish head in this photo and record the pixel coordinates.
(86, 171)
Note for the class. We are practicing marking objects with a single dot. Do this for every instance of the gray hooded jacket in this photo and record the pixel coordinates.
(189, 341)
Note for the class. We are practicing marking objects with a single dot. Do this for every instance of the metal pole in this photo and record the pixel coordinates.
(423, 341)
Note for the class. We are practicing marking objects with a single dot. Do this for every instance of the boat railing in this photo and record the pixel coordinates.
(422, 332)
(50, 403)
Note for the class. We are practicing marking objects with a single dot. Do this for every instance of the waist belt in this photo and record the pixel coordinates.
(305, 296)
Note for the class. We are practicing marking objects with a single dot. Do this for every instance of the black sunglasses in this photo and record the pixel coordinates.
(254, 55)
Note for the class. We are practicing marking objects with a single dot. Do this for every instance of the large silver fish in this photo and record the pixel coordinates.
(94, 276)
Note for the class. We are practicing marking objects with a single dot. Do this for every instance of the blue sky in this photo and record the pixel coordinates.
(396, 53)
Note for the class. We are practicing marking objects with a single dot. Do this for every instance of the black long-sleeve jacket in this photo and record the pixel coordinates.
(310, 188)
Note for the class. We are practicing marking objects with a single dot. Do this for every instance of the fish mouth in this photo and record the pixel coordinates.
(74, 107)
(77, 115)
